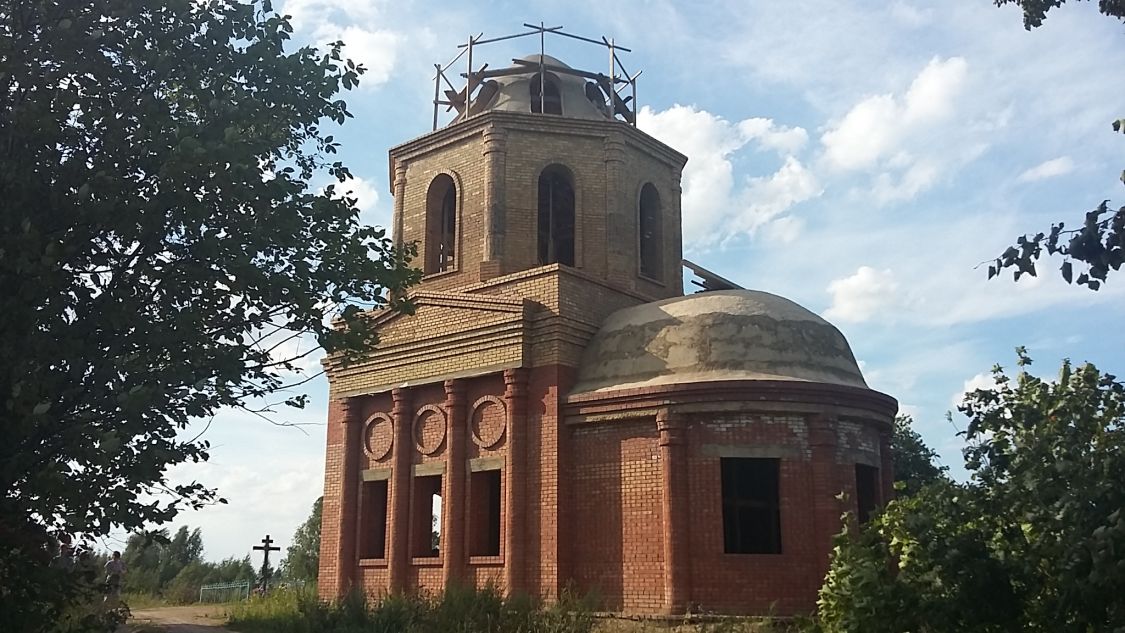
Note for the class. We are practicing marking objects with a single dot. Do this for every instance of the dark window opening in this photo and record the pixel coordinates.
(545, 96)
(427, 516)
(556, 216)
(651, 228)
(866, 491)
(484, 531)
(751, 508)
(441, 224)
(373, 521)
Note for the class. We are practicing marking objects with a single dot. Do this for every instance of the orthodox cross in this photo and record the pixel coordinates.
(266, 547)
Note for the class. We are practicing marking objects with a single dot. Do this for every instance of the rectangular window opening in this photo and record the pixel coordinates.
(427, 517)
(373, 520)
(866, 491)
(485, 496)
(751, 505)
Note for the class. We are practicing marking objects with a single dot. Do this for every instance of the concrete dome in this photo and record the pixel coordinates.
(512, 93)
(712, 336)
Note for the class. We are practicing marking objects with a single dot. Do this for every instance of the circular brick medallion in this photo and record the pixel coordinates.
(378, 436)
(429, 429)
(488, 421)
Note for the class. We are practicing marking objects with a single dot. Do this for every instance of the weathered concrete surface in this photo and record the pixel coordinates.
(725, 335)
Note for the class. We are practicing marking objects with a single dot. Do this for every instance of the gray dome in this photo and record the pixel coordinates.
(512, 93)
(711, 336)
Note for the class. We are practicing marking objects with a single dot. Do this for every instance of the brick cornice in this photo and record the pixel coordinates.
(751, 393)
(528, 122)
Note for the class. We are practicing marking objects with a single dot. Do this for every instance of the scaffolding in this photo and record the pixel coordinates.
(611, 85)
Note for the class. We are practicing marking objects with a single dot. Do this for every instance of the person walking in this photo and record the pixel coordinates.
(114, 575)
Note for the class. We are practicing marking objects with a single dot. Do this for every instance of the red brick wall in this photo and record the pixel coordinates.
(615, 518)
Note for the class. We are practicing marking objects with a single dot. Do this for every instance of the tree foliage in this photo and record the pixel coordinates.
(1098, 245)
(1035, 11)
(302, 558)
(173, 567)
(165, 241)
(915, 463)
(1033, 542)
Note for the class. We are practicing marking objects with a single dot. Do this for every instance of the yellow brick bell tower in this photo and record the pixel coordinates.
(537, 211)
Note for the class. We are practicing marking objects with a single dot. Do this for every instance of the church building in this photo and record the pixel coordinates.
(557, 413)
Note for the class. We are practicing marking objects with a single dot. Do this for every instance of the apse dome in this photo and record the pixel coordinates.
(716, 336)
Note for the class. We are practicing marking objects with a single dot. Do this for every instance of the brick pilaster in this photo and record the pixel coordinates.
(825, 486)
(619, 266)
(399, 525)
(454, 515)
(339, 515)
(495, 159)
(400, 203)
(674, 479)
(515, 397)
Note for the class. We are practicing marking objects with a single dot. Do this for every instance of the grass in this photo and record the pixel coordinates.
(454, 611)
(460, 610)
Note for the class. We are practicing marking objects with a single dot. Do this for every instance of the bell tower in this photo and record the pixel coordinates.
(540, 168)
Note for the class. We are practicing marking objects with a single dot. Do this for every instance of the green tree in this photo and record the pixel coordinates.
(1099, 243)
(1032, 542)
(163, 241)
(1035, 11)
(915, 463)
(145, 556)
(302, 558)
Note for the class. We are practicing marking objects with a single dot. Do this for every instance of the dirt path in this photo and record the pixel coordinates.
(202, 618)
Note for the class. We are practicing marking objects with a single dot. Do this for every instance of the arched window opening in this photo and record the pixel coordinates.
(651, 229)
(546, 86)
(556, 216)
(441, 224)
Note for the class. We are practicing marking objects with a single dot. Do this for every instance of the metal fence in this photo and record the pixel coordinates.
(225, 591)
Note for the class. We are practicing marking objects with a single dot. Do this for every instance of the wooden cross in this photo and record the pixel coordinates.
(266, 547)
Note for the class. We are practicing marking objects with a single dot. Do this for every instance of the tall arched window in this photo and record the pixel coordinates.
(651, 229)
(552, 99)
(441, 224)
(556, 216)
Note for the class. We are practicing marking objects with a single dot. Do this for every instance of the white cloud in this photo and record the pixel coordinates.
(782, 138)
(1048, 169)
(715, 208)
(785, 229)
(862, 295)
(918, 177)
(264, 495)
(768, 197)
(979, 381)
(354, 23)
(366, 196)
(877, 126)
(367, 200)
(375, 49)
(910, 15)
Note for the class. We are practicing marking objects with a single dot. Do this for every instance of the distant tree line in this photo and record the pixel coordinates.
(172, 566)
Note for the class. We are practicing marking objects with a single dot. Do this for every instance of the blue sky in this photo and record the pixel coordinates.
(860, 158)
